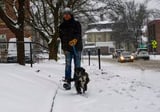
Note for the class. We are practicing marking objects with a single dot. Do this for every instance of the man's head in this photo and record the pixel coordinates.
(67, 14)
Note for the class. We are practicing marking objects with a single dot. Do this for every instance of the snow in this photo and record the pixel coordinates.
(86, 47)
(101, 44)
(23, 90)
(107, 44)
(114, 88)
(85, 36)
(101, 22)
(17, 26)
(155, 57)
(14, 8)
(98, 31)
(152, 57)
(144, 39)
(144, 29)
(12, 47)
(50, 40)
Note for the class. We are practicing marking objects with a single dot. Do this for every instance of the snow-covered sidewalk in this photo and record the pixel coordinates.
(115, 88)
(22, 89)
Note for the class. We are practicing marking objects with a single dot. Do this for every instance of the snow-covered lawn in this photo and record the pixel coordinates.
(115, 88)
(155, 57)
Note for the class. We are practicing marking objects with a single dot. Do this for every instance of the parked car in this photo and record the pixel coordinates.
(126, 57)
(142, 53)
(12, 51)
(117, 53)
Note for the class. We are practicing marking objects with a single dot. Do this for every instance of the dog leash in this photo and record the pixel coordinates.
(74, 50)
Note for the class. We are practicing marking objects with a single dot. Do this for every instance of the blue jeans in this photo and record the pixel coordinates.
(68, 58)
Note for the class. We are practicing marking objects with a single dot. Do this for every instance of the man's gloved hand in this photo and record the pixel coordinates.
(73, 42)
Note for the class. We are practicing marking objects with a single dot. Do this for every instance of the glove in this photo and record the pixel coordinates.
(73, 42)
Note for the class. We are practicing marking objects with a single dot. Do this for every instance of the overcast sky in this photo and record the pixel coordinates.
(152, 3)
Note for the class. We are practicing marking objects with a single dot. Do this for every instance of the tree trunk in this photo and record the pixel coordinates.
(20, 33)
(53, 46)
(20, 48)
(53, 49)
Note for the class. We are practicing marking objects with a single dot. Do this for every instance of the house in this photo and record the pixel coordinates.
(99, 35)
(154, 34)
(4, 30)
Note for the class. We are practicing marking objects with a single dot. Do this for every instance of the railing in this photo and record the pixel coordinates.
(98, 54)
(34, 52)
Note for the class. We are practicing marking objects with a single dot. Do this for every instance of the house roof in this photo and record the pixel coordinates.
(94, 30)
(102, 22)
(100, 27)
(154, 21)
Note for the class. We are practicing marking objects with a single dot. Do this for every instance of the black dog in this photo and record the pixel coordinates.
(81, 80)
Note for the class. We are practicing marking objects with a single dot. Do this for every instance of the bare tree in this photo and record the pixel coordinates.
(15, 23)
(44, 18)
(129, 19)
(46, 15)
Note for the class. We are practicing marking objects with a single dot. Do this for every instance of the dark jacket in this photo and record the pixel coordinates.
(68, 31)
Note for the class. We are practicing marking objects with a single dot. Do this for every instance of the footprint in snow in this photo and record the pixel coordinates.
(100, 91)
(136, 107)
(123, 89)
(37, 71)
(158, 96)
(49, 76)
(104, 73)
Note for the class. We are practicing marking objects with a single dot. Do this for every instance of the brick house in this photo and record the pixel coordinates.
(154, 34)
(4, 30)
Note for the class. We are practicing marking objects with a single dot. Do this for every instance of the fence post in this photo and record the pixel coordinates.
(31, 60)
(89, 57)
(99, 58)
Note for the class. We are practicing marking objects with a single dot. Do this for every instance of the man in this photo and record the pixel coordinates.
(70, 34)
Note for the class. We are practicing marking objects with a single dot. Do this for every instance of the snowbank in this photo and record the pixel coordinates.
(24, 90)
(155, 57)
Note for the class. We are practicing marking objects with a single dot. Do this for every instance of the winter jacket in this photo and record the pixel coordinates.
(68, 31)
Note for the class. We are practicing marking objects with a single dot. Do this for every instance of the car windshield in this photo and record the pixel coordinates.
(143, 52)
(126, 53)
(119, 50)
(139, 50)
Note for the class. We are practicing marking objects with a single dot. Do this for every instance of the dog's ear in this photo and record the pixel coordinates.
(83, 70)
(76, 69)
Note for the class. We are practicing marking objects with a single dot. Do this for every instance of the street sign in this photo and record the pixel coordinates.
(142, 46)
(154, 44)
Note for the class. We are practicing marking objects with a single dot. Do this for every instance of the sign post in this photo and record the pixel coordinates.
(154, 45)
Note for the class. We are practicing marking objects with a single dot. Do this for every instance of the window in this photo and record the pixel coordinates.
(99, 38)
(2, 4)
(3, 38)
